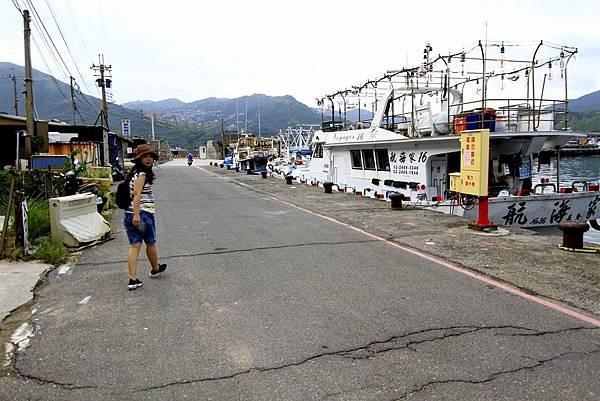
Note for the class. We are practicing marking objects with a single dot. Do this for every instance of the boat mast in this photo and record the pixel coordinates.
(237, 120)
(533, 86)
(482, 85)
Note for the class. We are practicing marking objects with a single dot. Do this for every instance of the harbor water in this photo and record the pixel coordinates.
(574, 168)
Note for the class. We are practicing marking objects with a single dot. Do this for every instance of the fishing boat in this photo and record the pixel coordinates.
(250, 153)
(411, 146)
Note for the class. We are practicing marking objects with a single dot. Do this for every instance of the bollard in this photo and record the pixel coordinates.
(211, 163)
(328, 186)
(573, 233)
(396, 201)
(221, 165)
(237, 169)
(264, 174)
(288, 179)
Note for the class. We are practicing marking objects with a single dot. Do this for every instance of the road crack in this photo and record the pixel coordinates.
(42, 381)
(229, 251)
(494, 375)
(358, 352)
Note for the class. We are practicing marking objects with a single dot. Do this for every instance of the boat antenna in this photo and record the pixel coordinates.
(484, 87)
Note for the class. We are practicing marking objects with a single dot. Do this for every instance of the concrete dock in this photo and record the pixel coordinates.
(522, 258)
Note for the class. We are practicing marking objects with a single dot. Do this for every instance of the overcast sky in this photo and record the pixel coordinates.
(192, 50)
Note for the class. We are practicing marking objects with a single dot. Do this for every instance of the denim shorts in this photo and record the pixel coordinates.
(146, 231)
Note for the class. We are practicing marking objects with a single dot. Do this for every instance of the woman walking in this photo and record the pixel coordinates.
(139, 217)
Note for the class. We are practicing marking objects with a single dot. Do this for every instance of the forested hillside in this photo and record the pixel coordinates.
(187, 125)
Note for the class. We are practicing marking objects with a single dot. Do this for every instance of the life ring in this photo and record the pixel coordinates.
(595, 225)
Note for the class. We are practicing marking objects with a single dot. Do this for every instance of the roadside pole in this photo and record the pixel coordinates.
(28, 87)
(104, 81)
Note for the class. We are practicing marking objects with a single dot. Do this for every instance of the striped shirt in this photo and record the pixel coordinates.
(147, 198)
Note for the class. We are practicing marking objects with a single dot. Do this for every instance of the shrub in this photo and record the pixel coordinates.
(53, 253)
(90, 173)
(39, 218)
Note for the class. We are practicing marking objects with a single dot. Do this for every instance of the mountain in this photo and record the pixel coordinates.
(156, 107)
(586, 103)
(53, 101)
(276, 112)
(187, 125)
(584, 113)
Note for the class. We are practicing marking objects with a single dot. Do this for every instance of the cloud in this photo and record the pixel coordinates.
(194, 50)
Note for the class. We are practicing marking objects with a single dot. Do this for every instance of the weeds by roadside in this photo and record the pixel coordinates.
(39, 218)
(53, 253)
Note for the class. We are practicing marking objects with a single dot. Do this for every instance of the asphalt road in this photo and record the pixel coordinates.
(264, 301)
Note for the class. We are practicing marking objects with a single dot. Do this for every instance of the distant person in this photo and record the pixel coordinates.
(139, 217)
(190, 158)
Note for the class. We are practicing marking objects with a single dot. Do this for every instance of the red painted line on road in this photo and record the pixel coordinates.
(514, 291)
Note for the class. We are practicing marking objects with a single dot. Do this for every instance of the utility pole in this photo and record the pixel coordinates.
(104, 81)
(237, 121)
(14, 79)
(152, 121)
(73, 100)
(258, 98)
(222, 138)
(246, 117)
(28, 86)
(20, 229)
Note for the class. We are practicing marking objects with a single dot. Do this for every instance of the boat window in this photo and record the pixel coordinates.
(318, 152)
(383, 162)
(369, 159)
(356, 160)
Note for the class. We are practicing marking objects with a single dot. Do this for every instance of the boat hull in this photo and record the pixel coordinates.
(530, 211)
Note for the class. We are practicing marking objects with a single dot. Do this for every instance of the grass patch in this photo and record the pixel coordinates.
(53, 253)
(39, 218)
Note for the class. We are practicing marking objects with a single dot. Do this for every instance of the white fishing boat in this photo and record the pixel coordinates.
(412, 144)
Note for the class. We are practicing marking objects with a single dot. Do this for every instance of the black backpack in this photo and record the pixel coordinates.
(123, 195)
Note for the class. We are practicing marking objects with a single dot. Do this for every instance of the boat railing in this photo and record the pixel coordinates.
(513, 115)
(542, 188)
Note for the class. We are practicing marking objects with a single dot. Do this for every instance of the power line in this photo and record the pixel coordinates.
(102, 26)
(81, 43)
(49, 69)
(47, 44)
(66, 44)
(16, 4)
(49, 36)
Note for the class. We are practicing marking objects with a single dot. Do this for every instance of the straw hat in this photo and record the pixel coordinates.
(144, 149)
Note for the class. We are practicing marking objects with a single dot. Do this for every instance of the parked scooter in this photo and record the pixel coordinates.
(117, 172)
(74, 185)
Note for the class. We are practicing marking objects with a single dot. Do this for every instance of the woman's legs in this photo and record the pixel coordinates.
(152, 255)
(132, 258)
